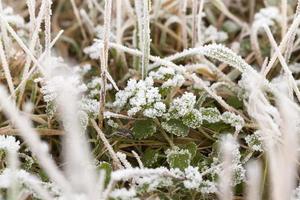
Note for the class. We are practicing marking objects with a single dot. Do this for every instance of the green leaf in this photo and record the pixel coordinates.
(193, 119)
(143, 129)
(178, 158)
(211, 115)
(150, 157)
(235, 102)
(176, 127)
(191, 147)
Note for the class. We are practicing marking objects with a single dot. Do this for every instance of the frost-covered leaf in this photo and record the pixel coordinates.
(211, 115)
(234, 120)
(183, 105)
(191, 147)
(255, 141)
(150, 157)
(178, 158)
(143, 128)
(193, 119)
(176, 127)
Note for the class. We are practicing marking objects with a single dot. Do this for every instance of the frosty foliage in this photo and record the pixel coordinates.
(268, 16)
(141, 96)
(9, 143)
(14, 19)
(254, 141)
(89, 92)
(158, 135)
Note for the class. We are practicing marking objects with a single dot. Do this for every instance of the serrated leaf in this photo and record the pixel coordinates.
(176, 127)
(179, 158)
(150, 157)
(211, 115)
(191, 147)
(143, 129)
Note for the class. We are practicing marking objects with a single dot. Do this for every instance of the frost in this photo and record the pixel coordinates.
(9, 143)
(170, 76)
(112, 124)
(234, 120)
(183, 105)
(254, 141)
(211, 34)
(90, 106)
(153, 182)
(211, 115)
(158, 110)
(193, 119)
(141, 96)
(267, 16)
(296, 194)
(12, 18)
(175, 127)
(178, 158)
(208, 187)
(193, 178)
(124, 194)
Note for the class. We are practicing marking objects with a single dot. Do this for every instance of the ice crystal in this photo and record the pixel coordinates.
(211, 34)
(9, 143)
(124, 194)
(234, 120)
(267, 16)
(208, 187)
(90, 106)
(193, 119)
(153, 182)
(170, 76)
(112, 124)
(10, 17)
(254, 141)
(183, 105)
(211, 115)
(193, 178)
(141, 96)
(177, 156)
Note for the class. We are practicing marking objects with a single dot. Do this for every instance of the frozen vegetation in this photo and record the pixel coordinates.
(149, 99)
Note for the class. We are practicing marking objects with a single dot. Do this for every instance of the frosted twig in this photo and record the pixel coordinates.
(138, 159)
(23, 46)
(198, 81)
(6, 39)
(284, 7)
(290, 42)
(48, 14)
(32, 44)
(283, 63)
(194, 23)
(283, 43)
(146, 38)
(104, 59)
(34, 142)
(6, 69)
(43, 55)
(225, 182)
(199, 22)
(77, 15)
(107, 145)
(254, 178)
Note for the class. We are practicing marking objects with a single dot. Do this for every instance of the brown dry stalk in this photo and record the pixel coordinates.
(104, 59)
(40, 131)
